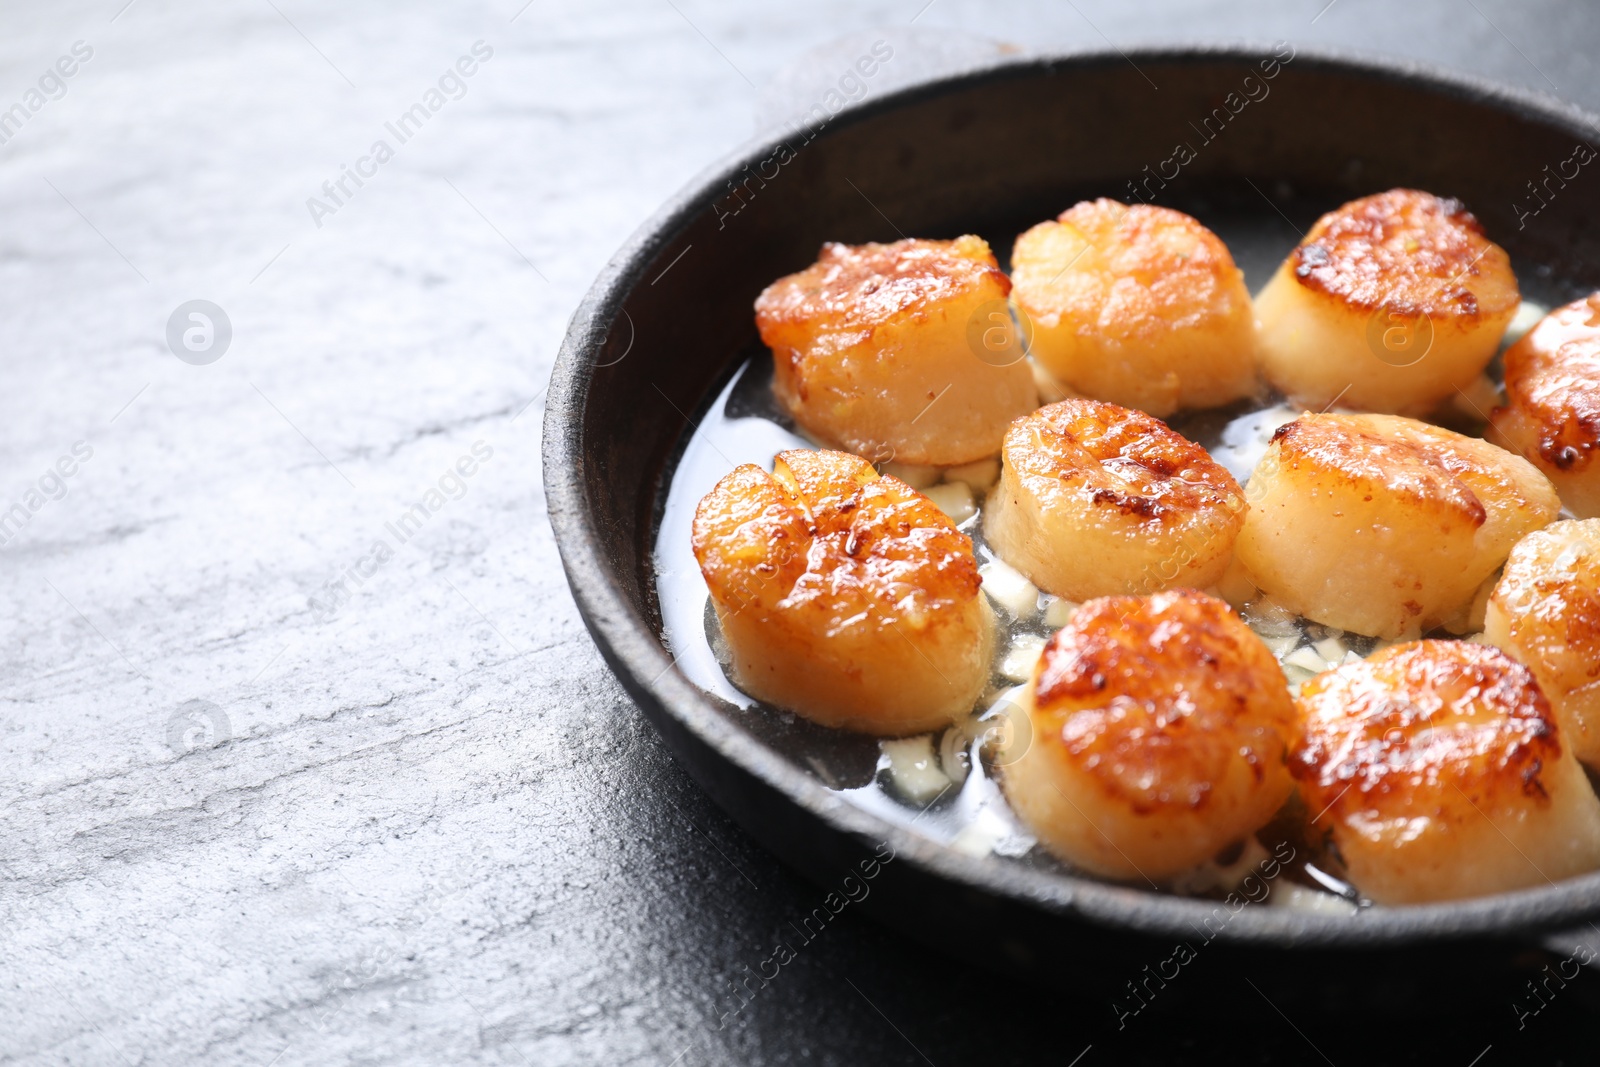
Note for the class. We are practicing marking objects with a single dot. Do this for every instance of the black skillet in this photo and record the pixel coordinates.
(992, 151)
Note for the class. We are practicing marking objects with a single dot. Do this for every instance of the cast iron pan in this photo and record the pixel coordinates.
(992, 151)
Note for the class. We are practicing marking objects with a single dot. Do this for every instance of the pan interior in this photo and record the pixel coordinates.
(955, 798)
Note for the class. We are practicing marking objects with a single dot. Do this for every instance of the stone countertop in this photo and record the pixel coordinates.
(306, 755)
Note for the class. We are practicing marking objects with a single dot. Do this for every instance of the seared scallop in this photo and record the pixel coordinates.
(1160, 727)
(1141, 306)
(1545, 611)
(1552, 410)
(844, 596)
(1383, 525)
(1095, 499)
(1391, 303)
(902, 352)
(1438, 772)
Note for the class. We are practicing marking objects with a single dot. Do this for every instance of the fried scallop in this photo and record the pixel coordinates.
(903, 351)
(1391, 304)
(1141, 306)
(1552, 409)
(1160, 728)
(1095, 500)
(844, 596)
(1438, 772)
(1383, 525)
(1545, 611)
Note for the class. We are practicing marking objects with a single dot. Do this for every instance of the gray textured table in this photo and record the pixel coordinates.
(306, 756)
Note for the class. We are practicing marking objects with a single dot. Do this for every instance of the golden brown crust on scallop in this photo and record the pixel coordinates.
(903, 351)
(1551, 590)
(1552, 411)
(1141, 306)
(1384, 525)
(750, 539)
(1101, 454)
(1355, 451)
(852, 289)
(1409, 251)
(1437, 771)
(844, 596)
(1156, 698)
(1156, 270)
(1100, 500)
(1428, 728)
(828, 537)
(1545, 611)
